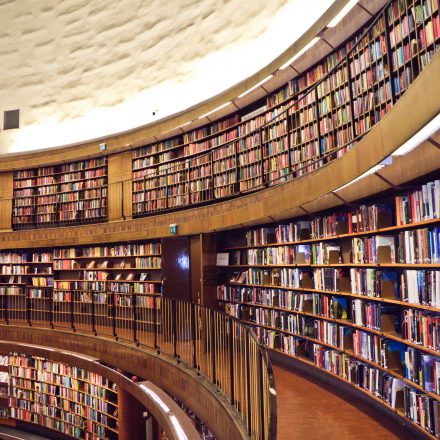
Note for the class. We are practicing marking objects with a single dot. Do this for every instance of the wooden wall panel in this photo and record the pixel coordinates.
(176, 268)
(119, 186)
(6, 192)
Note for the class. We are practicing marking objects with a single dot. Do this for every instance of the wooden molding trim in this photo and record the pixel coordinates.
(195, 391)
(310, 193)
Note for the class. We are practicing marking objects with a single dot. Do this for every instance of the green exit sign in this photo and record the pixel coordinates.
(173, 229)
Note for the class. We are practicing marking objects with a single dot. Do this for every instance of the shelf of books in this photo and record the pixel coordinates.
(26, 285)
(314, 118)
(74, 401)
(4, 383)
(60, 195)
(354, 293)
(112, 289)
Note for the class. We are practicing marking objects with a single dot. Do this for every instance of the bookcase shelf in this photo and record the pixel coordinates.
(60, 195)
(114, 288)
(354, 293)
(57, 396)
(316, 117)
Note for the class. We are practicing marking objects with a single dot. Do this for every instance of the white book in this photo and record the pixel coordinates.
(437, 198)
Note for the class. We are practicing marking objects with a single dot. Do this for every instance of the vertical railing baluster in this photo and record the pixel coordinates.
(213, 348)
(134, 319)
(5, 298)
(93, 314)
(50, 306)
(173, 324)
(248, 384)
(193, 335)
(72, 319)
(155, 322)
(28, 305)
(261, 391)
(231, 362)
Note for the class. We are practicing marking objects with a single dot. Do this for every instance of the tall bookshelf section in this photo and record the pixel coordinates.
(74, 401)
(112, 289)
(4, 383)
(354, 293)
(26, 286)
(60, 195)
(314, 118)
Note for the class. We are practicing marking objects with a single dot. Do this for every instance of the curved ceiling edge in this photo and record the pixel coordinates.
(141, 135)
(411, 112)
(172, 377)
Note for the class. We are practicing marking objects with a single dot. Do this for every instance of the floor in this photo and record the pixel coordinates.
(309, 409)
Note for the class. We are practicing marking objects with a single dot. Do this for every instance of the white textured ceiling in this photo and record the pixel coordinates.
(79, 69)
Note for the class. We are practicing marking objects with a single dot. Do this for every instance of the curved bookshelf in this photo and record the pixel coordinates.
(354, 293)
(76, 402)
(315, 118)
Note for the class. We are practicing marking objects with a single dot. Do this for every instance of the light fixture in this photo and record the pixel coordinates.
(424, 133)
(179, 431)
(173, 419)
(79, 356)
(256, 86)
(183, 125)
(342, 13)
(156, 398)
(216, 109)
(298, 54)
(387, 161)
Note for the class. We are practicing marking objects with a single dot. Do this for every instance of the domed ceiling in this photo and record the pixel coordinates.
(81, 69)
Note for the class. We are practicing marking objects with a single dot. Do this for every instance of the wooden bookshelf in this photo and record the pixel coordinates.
(355, 293)
(4, 383)
(60, 195)
(26, 285)
(113, 289)
(107, 287)
(314, 118)
(76, 402)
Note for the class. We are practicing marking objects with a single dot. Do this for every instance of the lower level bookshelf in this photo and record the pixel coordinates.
(75, 402)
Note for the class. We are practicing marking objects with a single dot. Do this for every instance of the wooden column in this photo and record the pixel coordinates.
(6, 191)
(131, 420)
(203, 269)
(119, 186)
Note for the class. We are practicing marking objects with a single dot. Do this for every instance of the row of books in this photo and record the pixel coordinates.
(419, 246)
(420, 287)
(59, 399)
(420, 327)
(416, 207)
